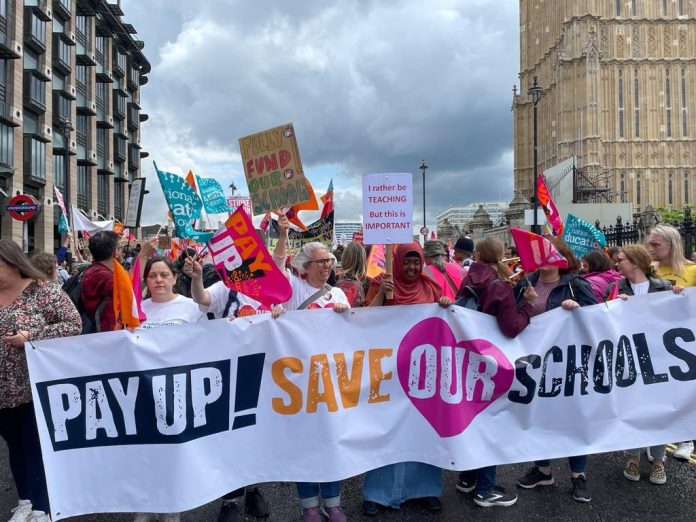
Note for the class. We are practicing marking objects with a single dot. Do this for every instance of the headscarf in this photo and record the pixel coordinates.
(421, 290)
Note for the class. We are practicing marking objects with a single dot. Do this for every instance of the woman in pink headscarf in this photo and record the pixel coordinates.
(394, 484)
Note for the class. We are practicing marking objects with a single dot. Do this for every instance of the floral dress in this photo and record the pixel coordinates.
(45, 311)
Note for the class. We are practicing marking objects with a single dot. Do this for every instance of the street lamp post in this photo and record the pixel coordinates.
(233, 187)
(535, 93)
(423, 168)
(67, 128)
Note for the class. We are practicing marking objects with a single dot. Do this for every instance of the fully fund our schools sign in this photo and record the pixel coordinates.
(22, 207)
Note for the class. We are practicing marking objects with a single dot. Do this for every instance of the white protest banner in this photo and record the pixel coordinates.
(387, 208)
(168, 419)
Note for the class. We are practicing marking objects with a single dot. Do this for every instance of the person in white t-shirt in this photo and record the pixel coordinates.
(165, 308)
(634, 264)
(310, 291)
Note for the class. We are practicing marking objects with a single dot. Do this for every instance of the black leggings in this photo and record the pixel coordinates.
(18, 428)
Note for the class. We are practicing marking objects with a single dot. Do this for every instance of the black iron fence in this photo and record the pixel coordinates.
(621, 234)
(624, 234)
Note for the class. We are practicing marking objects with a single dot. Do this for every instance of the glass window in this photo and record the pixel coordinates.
(81, 74)
(81, 24)
(669, 192)
(6, 145)
(618, 7)
(83, 184)
(64, 52)
(3, 8)
(59, 174)
(638, 192)
(680, 7)
(633, 7)
(38, 28)
(30, 123)
(31, 60)
(686, 189)
(35, 158)
(664, 7)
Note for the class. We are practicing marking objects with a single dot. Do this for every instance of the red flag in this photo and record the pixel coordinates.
(191, 180)
(614, 293)
(244, 264)
(291, 214)
(536, 251)
(327, 200)
(544, 198)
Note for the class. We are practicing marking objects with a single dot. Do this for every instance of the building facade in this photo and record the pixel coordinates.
(70, 77)
(345, 231)
(618, 81)
(460, 216)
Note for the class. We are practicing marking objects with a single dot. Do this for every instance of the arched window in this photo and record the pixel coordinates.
(686, 189)
(664, 7)
(669, 191)
(633, 7)
(621, 105)
(636, 103)
(668, 105)
(618, 7)
(623, 191)
(680, 7)
(685, 129)
(638, 189)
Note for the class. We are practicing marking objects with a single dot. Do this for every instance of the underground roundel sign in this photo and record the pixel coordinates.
(22, 207)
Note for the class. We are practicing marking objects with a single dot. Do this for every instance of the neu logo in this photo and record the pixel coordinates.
(450, 381)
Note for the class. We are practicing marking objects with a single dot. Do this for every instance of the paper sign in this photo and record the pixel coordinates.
(273, 169)
(387, 208)
(321, 230)
(135, 203)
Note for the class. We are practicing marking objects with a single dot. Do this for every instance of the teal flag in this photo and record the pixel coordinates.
(582, 237)
(63, 226)
(184, 205)
(214, 200)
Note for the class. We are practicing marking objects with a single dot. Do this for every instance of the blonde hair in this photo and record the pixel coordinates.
(353, 261)
(490, 252)
(677, 261)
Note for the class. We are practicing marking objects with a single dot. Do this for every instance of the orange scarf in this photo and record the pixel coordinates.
(125, 304)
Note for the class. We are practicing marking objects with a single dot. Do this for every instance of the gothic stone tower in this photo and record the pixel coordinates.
(619, 91)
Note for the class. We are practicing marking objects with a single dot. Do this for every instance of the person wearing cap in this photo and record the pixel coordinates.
(447, 275)
(464, 252)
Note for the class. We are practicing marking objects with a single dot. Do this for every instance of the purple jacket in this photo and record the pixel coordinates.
(600, 281)
(497, 299)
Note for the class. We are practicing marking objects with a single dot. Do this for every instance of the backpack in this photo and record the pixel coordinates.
(73, 287)
(471, 301)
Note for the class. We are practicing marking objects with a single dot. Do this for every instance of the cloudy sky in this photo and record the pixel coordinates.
(370, 86)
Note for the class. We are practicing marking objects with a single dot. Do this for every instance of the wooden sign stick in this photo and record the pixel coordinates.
(388, 267)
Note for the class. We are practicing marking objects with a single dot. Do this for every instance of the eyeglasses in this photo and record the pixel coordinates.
(321, 262)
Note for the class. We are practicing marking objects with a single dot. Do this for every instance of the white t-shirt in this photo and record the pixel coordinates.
(301, 290)
(179, 310)
(219, 294)
(640, 288)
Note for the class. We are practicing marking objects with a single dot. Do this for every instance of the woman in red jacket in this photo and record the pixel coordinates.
(488, 277)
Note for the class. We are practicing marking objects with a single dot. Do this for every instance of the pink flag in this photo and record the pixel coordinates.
(244, 264)
(137, 285)
(546, 201)
(536, 251)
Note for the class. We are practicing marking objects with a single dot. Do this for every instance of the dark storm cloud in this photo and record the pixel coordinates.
(370, 86)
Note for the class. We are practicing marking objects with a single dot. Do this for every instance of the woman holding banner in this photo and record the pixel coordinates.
(31, 309)
(310, 290)
(565, 288)
(634, 263)
(667, 251)
(598, 270)
(488, 277)
(394, 484)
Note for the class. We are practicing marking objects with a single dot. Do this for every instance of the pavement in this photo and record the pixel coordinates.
(613, 498)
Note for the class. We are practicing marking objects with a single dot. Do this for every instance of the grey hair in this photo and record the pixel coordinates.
(300, 259)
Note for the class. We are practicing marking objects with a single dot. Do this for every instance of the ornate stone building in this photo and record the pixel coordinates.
(619, 92)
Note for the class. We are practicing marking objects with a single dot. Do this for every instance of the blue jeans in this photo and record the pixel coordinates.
(577, 464)
(309, 493)
(484, 477)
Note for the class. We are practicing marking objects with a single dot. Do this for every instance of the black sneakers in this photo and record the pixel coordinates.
(535, 477)
(580, 491)
(465, 484)
(255, 504)
(495, 497)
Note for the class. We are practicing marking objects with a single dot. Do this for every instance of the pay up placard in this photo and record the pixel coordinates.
(387, 208)
(273, 169)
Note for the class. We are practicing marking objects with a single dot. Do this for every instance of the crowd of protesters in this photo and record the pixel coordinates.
(187, 289)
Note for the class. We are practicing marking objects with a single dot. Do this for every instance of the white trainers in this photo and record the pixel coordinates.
(22, 512)
(39, 516)
(684, 450)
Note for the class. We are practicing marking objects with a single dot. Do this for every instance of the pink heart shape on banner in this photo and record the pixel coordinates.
(425, 358)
